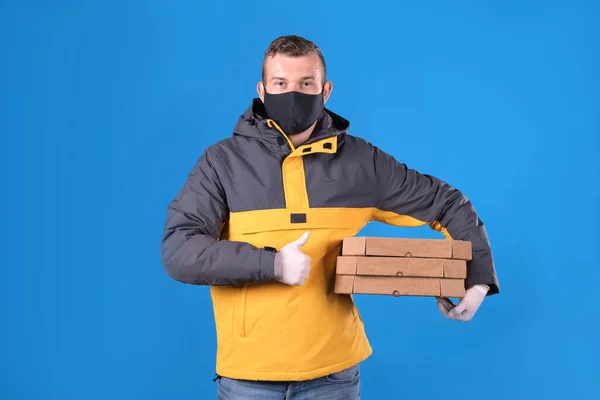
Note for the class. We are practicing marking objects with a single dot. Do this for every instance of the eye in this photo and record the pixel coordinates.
(307, 83)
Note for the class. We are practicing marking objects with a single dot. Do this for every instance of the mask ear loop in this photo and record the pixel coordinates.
(323, 94)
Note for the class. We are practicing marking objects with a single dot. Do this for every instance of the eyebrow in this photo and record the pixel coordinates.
(304, 78)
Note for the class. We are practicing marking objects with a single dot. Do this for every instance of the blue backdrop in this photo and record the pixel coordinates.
(106, 106)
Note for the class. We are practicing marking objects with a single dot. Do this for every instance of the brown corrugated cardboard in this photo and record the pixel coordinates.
(452, 287)
(401, 266)
(399, 286)
(346, 265)
(354, 246)
(344, 284)
(462, 250)
(393, 247)
(406, 247)
(390, 266)
(455, 269)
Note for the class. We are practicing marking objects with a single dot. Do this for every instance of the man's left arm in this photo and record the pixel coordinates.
(409, 198)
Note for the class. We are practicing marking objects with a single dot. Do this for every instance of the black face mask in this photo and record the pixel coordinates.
(294, 112)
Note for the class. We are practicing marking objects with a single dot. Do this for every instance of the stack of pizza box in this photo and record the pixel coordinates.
(402, 266)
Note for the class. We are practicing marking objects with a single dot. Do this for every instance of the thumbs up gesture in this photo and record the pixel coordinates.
(291, 264)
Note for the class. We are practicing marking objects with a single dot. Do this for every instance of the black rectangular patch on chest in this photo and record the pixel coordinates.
(298, 218)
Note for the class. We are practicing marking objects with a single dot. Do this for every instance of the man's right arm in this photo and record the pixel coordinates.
(190, 249)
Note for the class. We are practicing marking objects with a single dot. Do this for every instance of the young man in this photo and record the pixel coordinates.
(261, 219)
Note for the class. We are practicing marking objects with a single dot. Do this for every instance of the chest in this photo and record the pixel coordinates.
(298, 183)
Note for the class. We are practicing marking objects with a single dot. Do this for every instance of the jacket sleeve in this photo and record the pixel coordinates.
(409, 198)
(191, 251)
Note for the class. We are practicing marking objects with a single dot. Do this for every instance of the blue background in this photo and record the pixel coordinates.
(106, 106)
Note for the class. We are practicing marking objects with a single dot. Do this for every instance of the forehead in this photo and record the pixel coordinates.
(293, 67)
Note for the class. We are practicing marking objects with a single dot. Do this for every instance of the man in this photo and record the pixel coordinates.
(261, 219)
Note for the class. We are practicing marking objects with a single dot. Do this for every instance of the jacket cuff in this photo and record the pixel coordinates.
(267, 265)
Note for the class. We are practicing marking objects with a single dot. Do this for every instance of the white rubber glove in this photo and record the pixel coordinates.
(468, 305)
(292, 265)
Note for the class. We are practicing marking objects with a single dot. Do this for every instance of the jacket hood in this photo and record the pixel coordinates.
(253, 124)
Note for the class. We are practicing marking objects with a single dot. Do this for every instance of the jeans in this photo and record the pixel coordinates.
(344, 385)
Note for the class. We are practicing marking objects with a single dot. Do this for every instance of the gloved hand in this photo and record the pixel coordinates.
(292, 265)
(467, 307)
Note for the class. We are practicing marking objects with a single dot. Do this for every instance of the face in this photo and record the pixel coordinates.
(301, 74)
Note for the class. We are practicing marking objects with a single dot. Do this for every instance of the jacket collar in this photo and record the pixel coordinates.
(254, 123)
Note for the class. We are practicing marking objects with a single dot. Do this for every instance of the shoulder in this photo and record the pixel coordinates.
(367, 150)
(219, 149)
(360, 144)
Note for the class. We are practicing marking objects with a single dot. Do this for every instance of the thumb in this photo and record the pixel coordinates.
(302, 240)
(459, 309)
(443, 309)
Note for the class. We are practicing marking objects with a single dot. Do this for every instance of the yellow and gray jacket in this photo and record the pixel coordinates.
(255, 190)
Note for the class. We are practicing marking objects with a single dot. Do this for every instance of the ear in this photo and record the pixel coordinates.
(327, 88)
(260, 88)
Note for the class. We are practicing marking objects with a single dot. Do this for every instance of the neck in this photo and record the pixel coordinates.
(300, 138)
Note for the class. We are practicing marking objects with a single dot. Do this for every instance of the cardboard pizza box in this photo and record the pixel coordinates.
(403, 267)
(399, 286)
(407, 247)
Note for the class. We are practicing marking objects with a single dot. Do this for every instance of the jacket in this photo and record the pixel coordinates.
(254, 190)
